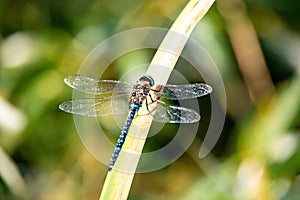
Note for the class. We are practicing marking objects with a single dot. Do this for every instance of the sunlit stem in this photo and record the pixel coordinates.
(118, 181)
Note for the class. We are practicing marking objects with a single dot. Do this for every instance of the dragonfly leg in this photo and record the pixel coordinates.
(154, 90)
(157, 91)
(151, 98)
(152, 101)
(151, 111)
(147, 104)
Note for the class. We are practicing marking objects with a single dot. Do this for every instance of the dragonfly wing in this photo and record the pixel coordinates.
(116, 105)
(186, 91)
(174, 114)
(93, 86)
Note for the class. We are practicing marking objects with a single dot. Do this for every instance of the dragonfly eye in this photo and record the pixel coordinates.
(149, 79)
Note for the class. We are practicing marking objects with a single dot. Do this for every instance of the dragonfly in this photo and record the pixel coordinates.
(119, 98)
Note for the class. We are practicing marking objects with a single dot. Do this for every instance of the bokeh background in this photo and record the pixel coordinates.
(256, 46)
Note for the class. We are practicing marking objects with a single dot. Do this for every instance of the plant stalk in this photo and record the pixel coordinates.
(118, 182)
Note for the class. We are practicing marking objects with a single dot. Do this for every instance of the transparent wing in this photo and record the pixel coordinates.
(174, 114)
(186, 91)
(116, 105)
(93, 86)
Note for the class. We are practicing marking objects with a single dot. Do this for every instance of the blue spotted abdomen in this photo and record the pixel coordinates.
(134, 108)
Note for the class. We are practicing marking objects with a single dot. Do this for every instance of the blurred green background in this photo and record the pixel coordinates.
(256, 46)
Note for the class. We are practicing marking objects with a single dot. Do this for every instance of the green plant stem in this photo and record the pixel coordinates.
(118, 182)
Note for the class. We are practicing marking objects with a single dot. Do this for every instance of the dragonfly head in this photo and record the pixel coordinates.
(149, 79)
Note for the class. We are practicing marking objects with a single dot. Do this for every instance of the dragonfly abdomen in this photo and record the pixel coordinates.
(134, 107)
